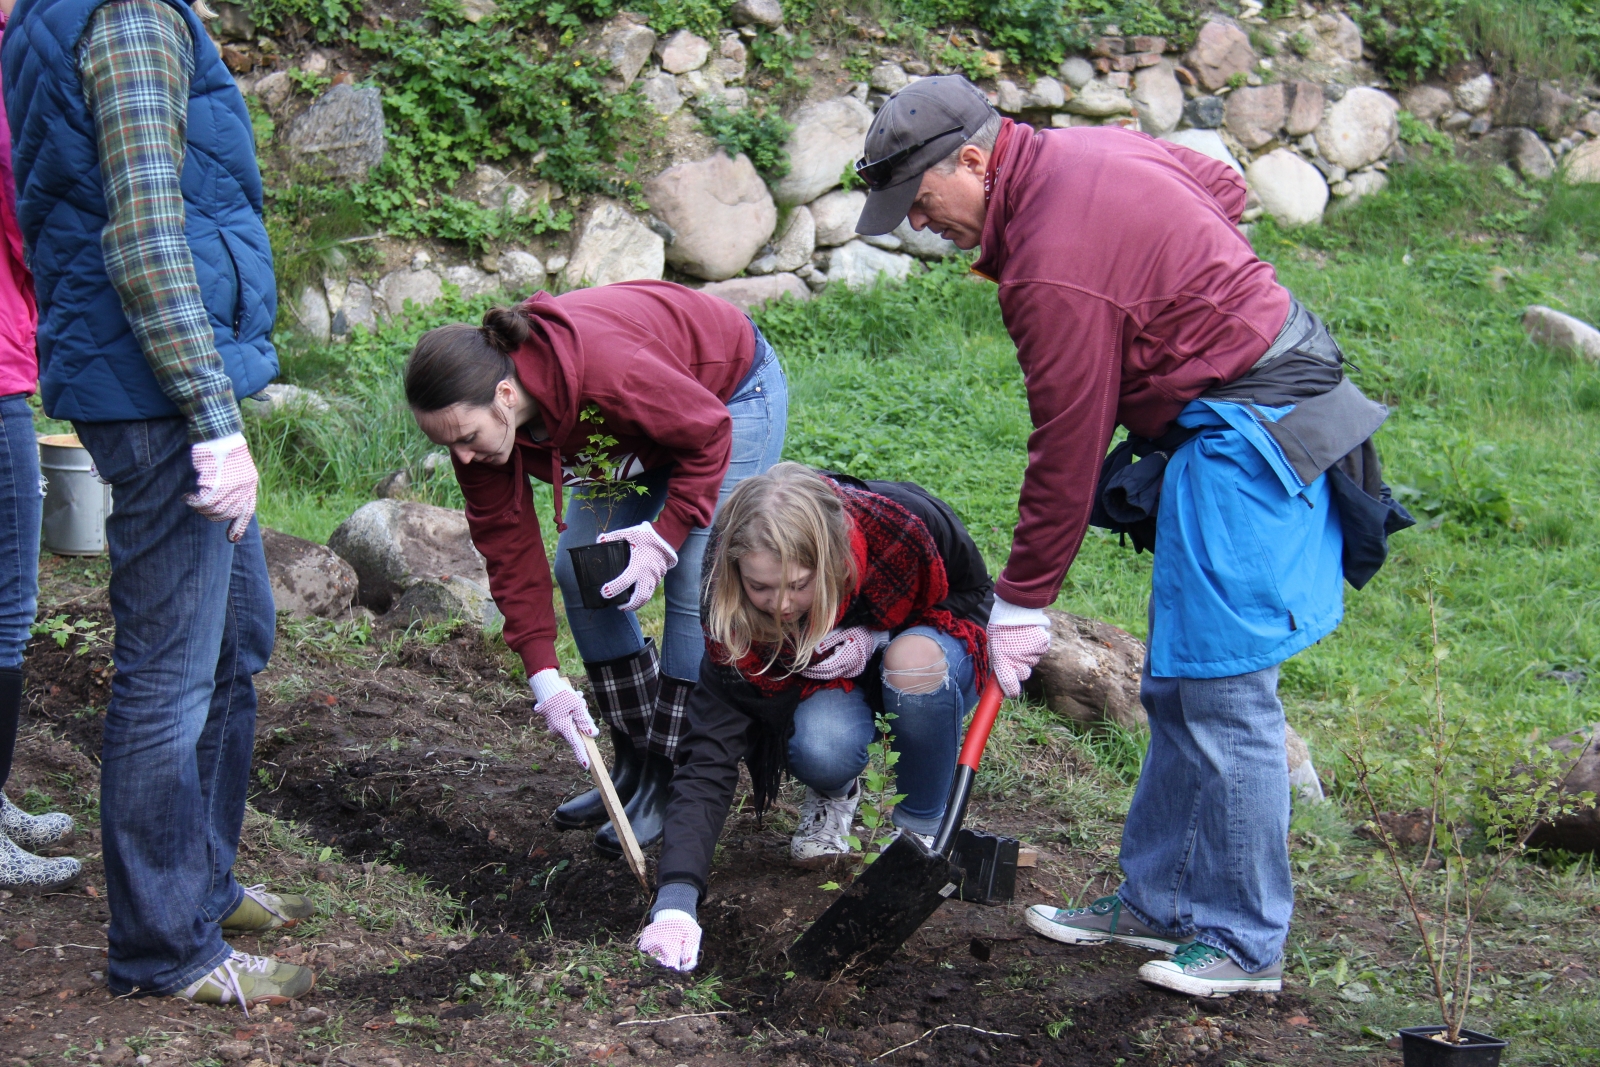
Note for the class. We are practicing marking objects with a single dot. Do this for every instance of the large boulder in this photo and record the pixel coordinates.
(1099, 99)
(393, 544)
(418, 287)
(924, 244)
(1359, 129)
(1255, 115)
(450, 597)
(827, 137)
(1206, 142)
(1549, 327)
(307, 578)
(1291, 190)
(1579, 832)
(793, 245)
(1158, 97)
(747, 293)
(1539, 105)
(1220, 51)
(342, 133)
(1091, 673)
(1582, 164)
(858, 265)
(615, 247)
(836, 215)
(720, 210)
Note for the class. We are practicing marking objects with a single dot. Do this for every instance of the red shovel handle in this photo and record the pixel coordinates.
(982, 723)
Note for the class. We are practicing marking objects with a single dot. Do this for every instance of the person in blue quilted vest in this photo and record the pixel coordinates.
(139, 201)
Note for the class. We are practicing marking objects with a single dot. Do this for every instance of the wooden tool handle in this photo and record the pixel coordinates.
(619, 818)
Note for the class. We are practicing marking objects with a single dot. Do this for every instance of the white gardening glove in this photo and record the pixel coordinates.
(672, 939)
(843, 653)
(563, 710)
(225, 482)
(1018, 638)
(649, 559)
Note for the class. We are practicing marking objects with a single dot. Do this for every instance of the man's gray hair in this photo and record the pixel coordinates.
(984, 139)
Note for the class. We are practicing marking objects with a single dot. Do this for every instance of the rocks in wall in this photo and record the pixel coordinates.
(827, 137)
(1159, 98)
(924, 244)
(791, 246)
(311, 314)
(720, 210)
(1538, 105)
(342, 133)
(1076, 71)
(682, 52)
(351, 302)
(418, 285)
(1205, 112)
(747, 293)
(835, 216)
(627, 46)
(520, 272)
(470, 280)
(1291, 190)
(1099, 99)
(1220, 51)
(859, 265)
(1582, 164)
(1553, 329)
(767, 13)
(1475, 94)
(1206, 142)
(1528, 154)
(615, 246)
(1427, 102)
(660, 92)
(1256, 116)
(1359, 128)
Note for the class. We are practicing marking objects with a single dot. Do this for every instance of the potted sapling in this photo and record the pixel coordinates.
(604, 488)
(1478, 822)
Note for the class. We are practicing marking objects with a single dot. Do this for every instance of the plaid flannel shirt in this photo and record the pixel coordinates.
(136, 63)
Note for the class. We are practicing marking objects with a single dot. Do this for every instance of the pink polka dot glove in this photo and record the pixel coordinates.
(563, 710)
(843, 653)
(649, 559)
(1018, 639)
(225, 482)
(673, 940)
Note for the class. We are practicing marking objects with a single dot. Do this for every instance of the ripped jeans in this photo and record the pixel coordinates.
(833, 728)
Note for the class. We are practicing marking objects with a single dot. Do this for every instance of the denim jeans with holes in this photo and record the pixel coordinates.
(195, 623)
(760, 411)
(832, 729)
(1205, 848)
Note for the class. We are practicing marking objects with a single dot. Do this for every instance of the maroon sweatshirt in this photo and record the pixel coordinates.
(659, 361)
(1129, 291)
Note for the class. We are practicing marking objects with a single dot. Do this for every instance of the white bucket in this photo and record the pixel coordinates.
(76, 503)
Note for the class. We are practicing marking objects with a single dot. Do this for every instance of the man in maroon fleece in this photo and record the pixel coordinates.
(1134, 298)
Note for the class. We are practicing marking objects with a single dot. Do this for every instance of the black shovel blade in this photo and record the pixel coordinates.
(878, 912)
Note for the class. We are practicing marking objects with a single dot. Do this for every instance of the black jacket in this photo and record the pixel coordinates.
(728, 719)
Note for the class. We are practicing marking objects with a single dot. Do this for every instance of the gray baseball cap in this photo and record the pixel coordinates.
(914, 129)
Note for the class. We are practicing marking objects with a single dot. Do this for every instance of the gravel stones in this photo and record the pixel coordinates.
(835, 215)
(720, 210)
(858, 265)
(827, 137)
(1551, 328)
(1221, 51)
(342, 133)
(1359, 129)
(1291, 190)
(748, 293)
(1159, 97)
(683, 52)
(393, 544)
(616, 246)
(307, 578)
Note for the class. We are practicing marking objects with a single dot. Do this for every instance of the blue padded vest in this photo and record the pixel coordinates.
(91, 367)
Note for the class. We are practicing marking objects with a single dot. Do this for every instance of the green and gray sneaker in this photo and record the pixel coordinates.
(260, 911)
(1202, 971)
(1102, 921)
(249, 981)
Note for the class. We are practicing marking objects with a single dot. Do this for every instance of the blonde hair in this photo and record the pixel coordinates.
(794, 513)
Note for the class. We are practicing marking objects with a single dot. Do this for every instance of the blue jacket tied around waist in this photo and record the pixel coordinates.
(91, 367)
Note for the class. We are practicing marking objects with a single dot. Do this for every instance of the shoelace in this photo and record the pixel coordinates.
(258, 894)
(227, 976)
(1196, 956)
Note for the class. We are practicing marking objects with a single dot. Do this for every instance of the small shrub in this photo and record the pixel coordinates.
(757, 132)
(1412, 38)
(1586, 397)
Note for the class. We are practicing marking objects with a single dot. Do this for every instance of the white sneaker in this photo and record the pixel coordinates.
(926, 839)
(819, 840)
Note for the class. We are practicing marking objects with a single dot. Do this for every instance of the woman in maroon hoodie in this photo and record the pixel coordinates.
(685, 399)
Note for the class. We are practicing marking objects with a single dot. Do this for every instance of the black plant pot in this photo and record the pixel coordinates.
(597, 564)
(1476, 1050)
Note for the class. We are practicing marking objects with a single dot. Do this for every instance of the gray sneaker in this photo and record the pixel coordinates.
(1102, 921)
(1202, 971)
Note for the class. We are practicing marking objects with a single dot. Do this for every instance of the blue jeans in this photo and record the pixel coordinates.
(760, 411)
(1205, 849)
(21, 506)
(832, 729)
(195, 623)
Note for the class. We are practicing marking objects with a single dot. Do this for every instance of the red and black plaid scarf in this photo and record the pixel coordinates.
(901, 580)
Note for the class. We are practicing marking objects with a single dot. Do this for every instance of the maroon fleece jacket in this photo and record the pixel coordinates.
(1129, 291)
(659, 362)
